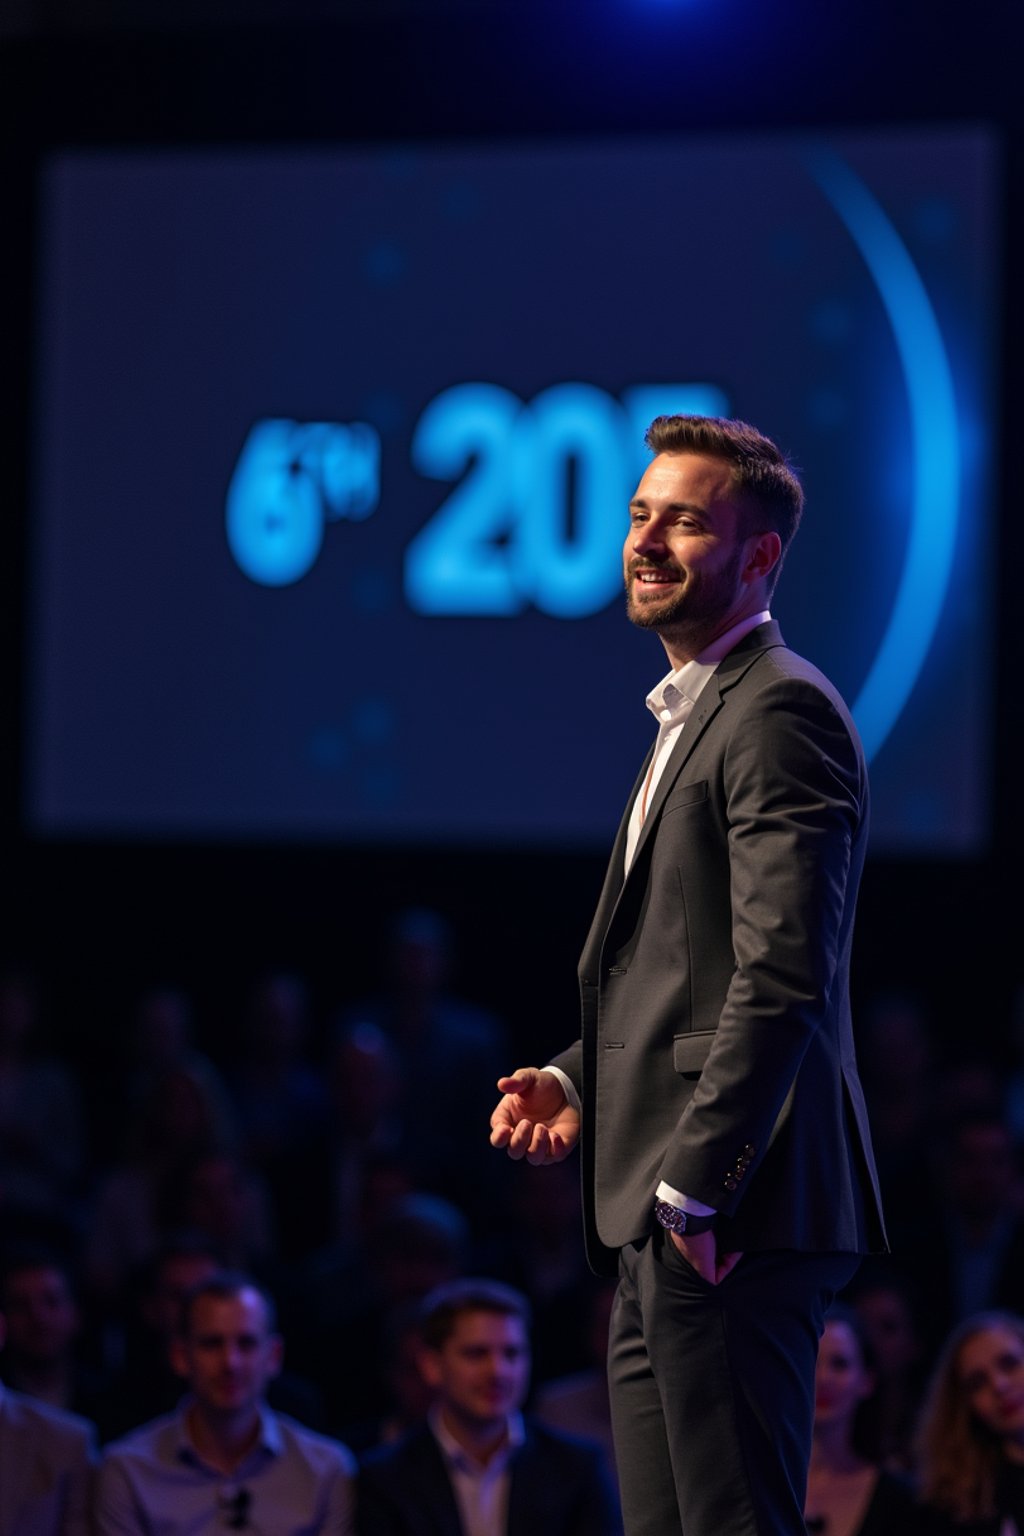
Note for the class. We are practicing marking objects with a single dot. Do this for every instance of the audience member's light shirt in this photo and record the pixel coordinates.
(46, 1461)
(292, 1483)
(480, 1488)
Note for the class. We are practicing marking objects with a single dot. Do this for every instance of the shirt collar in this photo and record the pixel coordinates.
(672, 698)
(457, 1456)
(268, 1440)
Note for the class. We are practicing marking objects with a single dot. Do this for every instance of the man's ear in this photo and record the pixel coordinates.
(276, 1358)
(429, 1362)
(765, 553)
(178, 1356)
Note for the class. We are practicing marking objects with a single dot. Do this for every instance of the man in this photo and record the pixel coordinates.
(478, 1467)
(44, 1325)
(225, 1459)
(726, 1158)
(46, 1461)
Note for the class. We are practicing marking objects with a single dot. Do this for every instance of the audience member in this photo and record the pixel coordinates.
(539, 1252)
(451, 1054)
(42, 1143)
(143, 1383)
(579, 1404)
(46, 1462)
(971, 1466)
(967, 1253)
(1013, 1066)
(225, 1458)
(888, 1309)
(408, 1394)
(175, 1121)
(325, 1189)
(896, 1050)
(478, 1465)
(280, 1096)
(341, 1311)
(848, 1493)
(160, 1038)
(147, 1384)
(216, 1193)
(44, 1329)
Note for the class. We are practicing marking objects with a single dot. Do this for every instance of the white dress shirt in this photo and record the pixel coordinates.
(481, 1488)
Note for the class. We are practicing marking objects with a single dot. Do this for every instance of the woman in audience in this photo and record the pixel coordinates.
(888, 1308)
(971, 1442)
(848, 1493)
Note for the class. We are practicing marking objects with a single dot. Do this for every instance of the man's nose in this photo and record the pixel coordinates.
(647, 539)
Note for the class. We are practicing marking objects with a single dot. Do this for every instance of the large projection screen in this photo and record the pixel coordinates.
(333, 447)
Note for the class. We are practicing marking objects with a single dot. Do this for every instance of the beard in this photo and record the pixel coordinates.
(699, 602)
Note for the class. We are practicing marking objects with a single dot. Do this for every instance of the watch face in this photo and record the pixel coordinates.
(670, 1216)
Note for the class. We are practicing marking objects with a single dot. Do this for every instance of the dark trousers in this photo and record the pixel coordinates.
(712, 1389)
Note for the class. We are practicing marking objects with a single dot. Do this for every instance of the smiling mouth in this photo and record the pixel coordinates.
(646, 577)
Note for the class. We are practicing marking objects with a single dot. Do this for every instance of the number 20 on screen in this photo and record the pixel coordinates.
(535, 517)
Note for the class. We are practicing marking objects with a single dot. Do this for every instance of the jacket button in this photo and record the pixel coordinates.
(749, 1150)
(730, 1182)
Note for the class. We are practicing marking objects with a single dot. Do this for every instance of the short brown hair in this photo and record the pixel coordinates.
(764, 480)
(442, 1308)
(224, 1286)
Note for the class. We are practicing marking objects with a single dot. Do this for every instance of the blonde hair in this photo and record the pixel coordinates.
(958, 1457)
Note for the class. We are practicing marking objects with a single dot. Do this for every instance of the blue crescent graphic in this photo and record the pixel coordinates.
(936, 445)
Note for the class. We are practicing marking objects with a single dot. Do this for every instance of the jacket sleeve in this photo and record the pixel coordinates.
(795, 797)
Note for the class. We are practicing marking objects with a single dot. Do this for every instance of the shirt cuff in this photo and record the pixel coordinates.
(684, 1202)
(571, 1096)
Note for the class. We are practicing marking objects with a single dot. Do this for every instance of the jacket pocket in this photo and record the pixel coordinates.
(685, 794)
(690, 1052)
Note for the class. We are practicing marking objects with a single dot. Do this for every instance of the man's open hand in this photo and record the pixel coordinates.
(534, 1119)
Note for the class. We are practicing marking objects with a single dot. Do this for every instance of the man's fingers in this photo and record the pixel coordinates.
(726, 1264)
(518, 1144)
(542, 1146)
(520, 1081)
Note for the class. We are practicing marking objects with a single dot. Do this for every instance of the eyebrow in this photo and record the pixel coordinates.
(673, 506)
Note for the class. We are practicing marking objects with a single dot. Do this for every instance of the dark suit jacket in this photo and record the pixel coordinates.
(559, 1487)
(46, 1461)
(716, 1050)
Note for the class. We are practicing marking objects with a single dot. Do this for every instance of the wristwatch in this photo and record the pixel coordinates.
(677, 1220)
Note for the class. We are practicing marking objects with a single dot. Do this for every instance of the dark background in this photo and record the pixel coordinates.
(98, 921)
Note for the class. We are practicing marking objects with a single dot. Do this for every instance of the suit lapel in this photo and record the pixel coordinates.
(617, 879)
(442, 1495)
(730, 670)
(525, 1514)
(613, 882)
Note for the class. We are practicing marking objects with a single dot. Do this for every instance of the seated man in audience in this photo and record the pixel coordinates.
(46, 1458)
(225, 1459)
(478, 1467)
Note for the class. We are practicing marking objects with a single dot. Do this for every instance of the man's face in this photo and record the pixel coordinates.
(482, 1370)
(177, 1274)
(685, 564)
(228, 1355)
(42, 1317)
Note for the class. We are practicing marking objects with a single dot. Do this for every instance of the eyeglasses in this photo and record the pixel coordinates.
(236, 1509)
